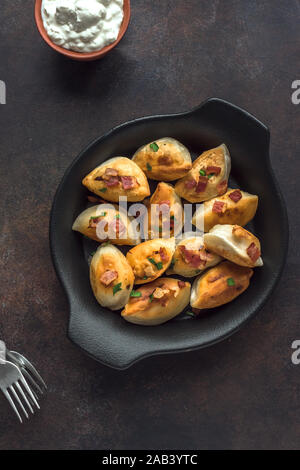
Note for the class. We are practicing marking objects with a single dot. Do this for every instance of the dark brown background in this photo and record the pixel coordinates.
(242, 393)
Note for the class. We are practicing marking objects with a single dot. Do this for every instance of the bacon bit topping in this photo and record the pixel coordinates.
(236, 195)
(253, 252)
(109, 172)
(93, 222)
(128, 182)
(113, 181)
(216, 170)
(215, 278)
(181, 284)
(117, 226)
(108, 277)
(202, 183)
(219, 207)
(167, 203)
(163, 255)
(165, 160)
(195, 259)
(222, 187)
(111, 178)
(190, 184)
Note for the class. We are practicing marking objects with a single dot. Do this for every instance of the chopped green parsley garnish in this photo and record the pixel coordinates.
(149, 167)
(202, 172)
(173, 263)
(151, 297)
(103, 214)
(154, 147)
(135, 293)
(210, 176)
(190, 313)
(103, 190)
(117, 288)
(158, 265)
(117, 216)
(230, 281)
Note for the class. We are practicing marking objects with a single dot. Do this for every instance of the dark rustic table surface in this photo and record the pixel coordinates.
(242, 393)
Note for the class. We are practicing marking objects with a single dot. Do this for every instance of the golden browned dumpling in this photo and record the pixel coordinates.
(158, 302)
(117, 177)
(219, 285)
(208, 177)
(234, 207)
(191, 257)
(111, 277)
(151, 259)
(165, 213)
(234, 243)
(106, 222)
(165, 159)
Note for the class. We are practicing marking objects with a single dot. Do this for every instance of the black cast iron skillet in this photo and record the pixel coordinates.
(103, 334)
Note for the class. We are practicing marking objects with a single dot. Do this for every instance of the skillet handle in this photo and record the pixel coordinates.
(211, 115)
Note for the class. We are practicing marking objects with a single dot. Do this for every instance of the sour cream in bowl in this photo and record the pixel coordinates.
(82, 29)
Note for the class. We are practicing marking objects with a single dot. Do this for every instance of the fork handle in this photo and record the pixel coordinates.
(2, 352)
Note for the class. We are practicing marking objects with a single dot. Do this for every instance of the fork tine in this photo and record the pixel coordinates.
(32, 369)
(24, 397)
(29, 392)
(31, 380)
(35, 395)
(19, 401)
(11, 402)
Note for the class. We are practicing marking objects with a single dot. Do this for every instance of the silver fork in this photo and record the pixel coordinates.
(14, 386)
(27, 369)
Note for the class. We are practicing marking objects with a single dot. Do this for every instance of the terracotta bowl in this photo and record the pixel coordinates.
(82, 56)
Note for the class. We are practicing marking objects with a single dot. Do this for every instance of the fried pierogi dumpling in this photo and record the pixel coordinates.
(111, 277)
(235, 244)
(117, 177)
(157, 302)
(106, 222)
(165, 159)
(151, 259)
(234, 207)
(164, 219)
(208, 177)
(219, 285)
(191, 257)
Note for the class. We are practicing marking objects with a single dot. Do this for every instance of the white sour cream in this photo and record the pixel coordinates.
(82, 25)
